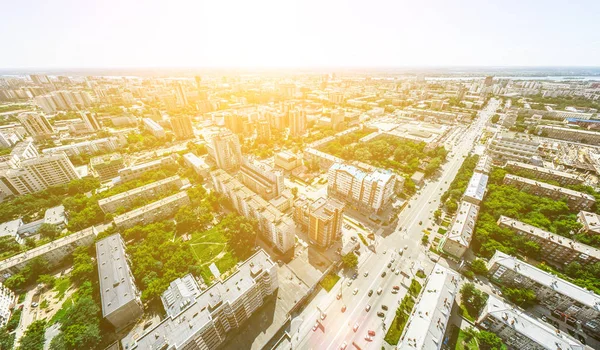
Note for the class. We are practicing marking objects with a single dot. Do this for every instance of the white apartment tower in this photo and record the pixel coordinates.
(36, 124)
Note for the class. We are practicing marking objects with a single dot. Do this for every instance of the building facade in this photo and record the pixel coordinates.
(128, 198)
(107, 166)
(226, 150)
(155, 211)
(542, 173)
(182, 127)
(322, 218)
(36, 124)
(261, 179)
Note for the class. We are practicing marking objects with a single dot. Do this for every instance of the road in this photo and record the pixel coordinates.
(337, 326)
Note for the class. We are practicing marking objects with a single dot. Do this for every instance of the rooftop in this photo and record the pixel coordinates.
(462, 228)
(55, 215)
(563, 190)
(140, 189)
(109, 158)
(477, 186)
(590, 221)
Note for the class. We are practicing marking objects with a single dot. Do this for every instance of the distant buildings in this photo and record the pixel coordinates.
(127, 199)
(7, 302)
(371, 190)
(575, 200)
(287, 160)
(226, 150)
(563, 299)
(275, 227)
(53, 252)
(427, 324)
(553, 247)
(542, 173)
(182, 127)
(203, 319)
(87, 147)
(263, 130)
(107, 166)
(155, 211)
(36, 124)
(136, 171)
(509, 146)
(297, 122)
(521, 331)
(121, 304)
(322, 219)
(154, 128)
(458, 238)
(476, 188)
(261, 179)
(567, 134)
(90, 121)
(198, 164)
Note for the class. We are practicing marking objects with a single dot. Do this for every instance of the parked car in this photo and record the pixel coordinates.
(355, 291)
(355, 328)
(339, 296)
(384, 307)
(383, 274)
(368, 307)
(379, 291)
(380, 314)
(370, 292)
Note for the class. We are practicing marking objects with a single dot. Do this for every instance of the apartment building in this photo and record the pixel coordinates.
(567, 134)
(197, 163)
(518, 330)
(53, 252)
(590, 222)
(484, 164)
(427, 323)
(154, 128)
(322, 218)
(203, 319)
(542, 173)
(128, 199)
(155, 211)
(36, 124)
(182, 127)
(476, 188)
(226, 150)
(109, 144)
(274, 226)
(287, 160)
(20, 231)
(120, 298)
(575, 200)
(7, 302)
(37, 174)
(298, 122)
(261, 179)
(90, 121)
(563, 299)
(136, 171)
(107, 166)
(371, 190)
(458, 238)
(554, 247)
(512, 146)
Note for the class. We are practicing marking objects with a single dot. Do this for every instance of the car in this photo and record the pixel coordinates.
(383, 274)
(406, 247)
(323, 316)
(371, 333)
(349, 283)
(354, 276)
(366, 273)
(343, 308)
(357, 252)
(396, 287)
(397, 272)
(315, 326)
(343, 346)
(370, 292)
(394, 291)
(355, 328)
(393, 269)
(384, 307)
(355, 291)
(544, 318)
(368, 307)
(380, 314)
(339, 296)
(389, 265)
(34, 304)
(421, 222)
(385, 252)
(393, 259)
(379, 291)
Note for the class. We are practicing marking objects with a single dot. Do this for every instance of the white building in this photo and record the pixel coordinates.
(476, 188)
(154, 128)
(155, 211)
(7, 302)
(197, 163)
(36, 124)
(458, 239)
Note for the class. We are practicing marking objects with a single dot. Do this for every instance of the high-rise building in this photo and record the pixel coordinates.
(90, 121)
(489, 81)
(234, 122)
(180, 94)
(7, 302)
(263, 130)
(182, 127)
(46, 103)
(226, 150)
(36, 124)
(337, 119)
(121, 304)
(322, 218)
(297, 119)
(203, 319)
(261, 179)
(39, 79)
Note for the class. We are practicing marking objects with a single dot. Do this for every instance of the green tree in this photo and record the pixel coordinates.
(350, 260)
(79, 327)
(241, 233)
(425, 239)
(48, 231)
(33, 339)
(186, 219)
(489, 341)
(472, 299)
(523, 297)
(478, 266)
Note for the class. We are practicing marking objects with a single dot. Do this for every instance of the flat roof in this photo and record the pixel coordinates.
(591, 221)
(462, 228)
(543, 170)
(477, 186)
(116, 285)
(559, 285)
(55, 215)
(539, 332)
(140, 189)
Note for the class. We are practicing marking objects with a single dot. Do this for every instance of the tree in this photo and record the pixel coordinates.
(83, 266)
(478, 266)
(186, 219)
(523, 297)
(425, 239)
(46, 280)
(350, 260)
(33, 339)
(48, 231)
(241, 233)
(472, 298)
(79, 327)
(489, 341)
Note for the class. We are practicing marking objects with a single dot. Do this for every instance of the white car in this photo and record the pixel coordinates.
(349, 283)
(355, 328)
(368, 307)
(315, 326)
(355, 291)
(323, 315)
(343, 346)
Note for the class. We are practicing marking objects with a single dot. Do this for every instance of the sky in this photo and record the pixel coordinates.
(303, 33)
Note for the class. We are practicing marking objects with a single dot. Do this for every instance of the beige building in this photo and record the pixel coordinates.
(226, 150)
(36, 124)
(590, 222)
(107, 166)
(136, 171)
(458, 238)
(261, 179)
(128, 198)
(561, 177)
(155, 211)
(322, 218)
(287, 160)
(567, 134)
(182, 127)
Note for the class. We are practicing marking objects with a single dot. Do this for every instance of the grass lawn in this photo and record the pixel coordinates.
(460, 342)
(395, 331)
(329, 281)
(464, 313)
(58, 316)
(61, 285)
(415, 288)
(227, 262)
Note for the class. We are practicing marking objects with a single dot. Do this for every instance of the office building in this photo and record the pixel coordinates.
(476, 188)
(263, 130)
(567, 134)
(274, 226)
(129, 198)
(287, 160)
(261, 179)
(36, 124)
(155, 211)
(563, 299)
(553, 247)
(120, 298)
(37, 174)
(182, 127)
(155, 129)
(512, 146)
(458, 238)
(226, 150)
(90, 121)
(197, 163)
(590, 222)
(518, 330)
(365, 189)
(107, 166)
(53, 253)
(135, 171)
(322, 219)
(542, 173)
(204, 319)
(7, 302)
(427, 323)
(575, 200)
(297, 122)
